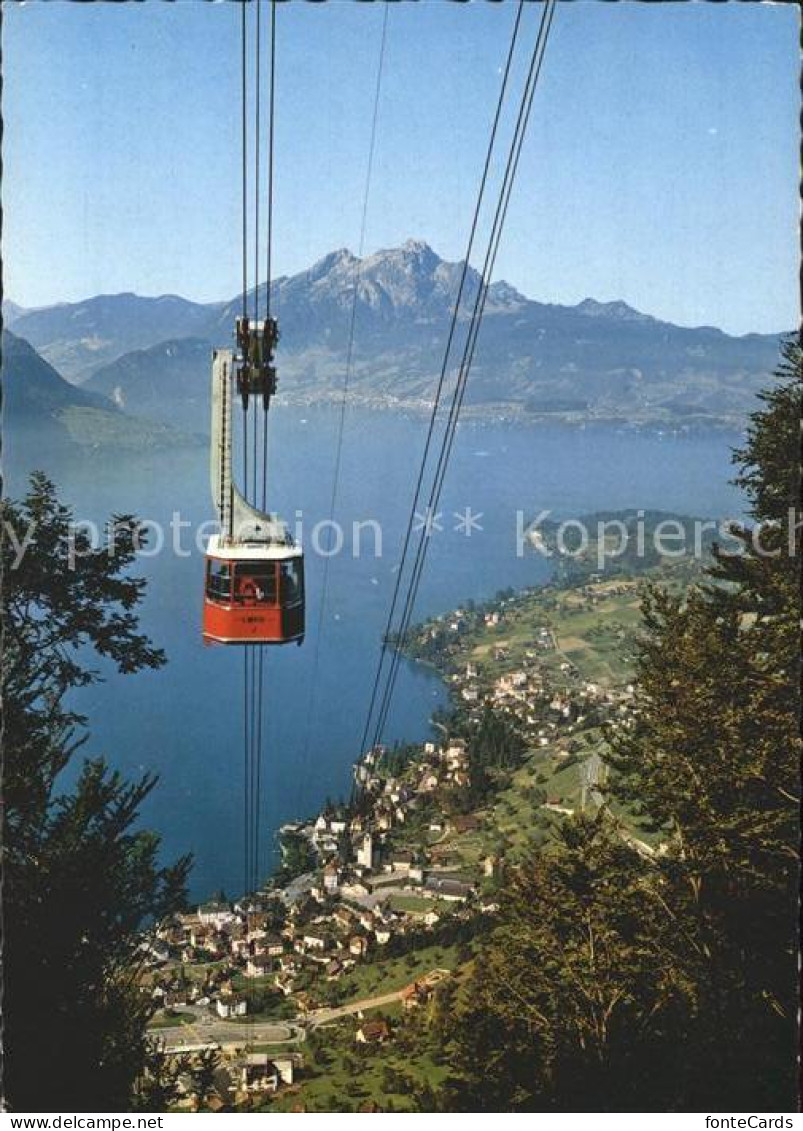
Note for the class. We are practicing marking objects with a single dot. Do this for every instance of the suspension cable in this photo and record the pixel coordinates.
(244, 126)
(269, 234)
(257, 150)
(246, 775)
(260, 658)
(252, 663)
(257, 108)
(252, 660)
(246, 658)
(468, 354)
(247, 680)
(272, 89)
(312, 700)
(442, 377)
(244, 202)
(258, 775)
(470, 347)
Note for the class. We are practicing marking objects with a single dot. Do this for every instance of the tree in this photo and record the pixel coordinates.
(79, 881)
(713, 760)
(156, 1087)
(59, 596)
(612, 983)
(569, 999)
(205, 1073)
(496, 742)
(763, 576)
(298, 857)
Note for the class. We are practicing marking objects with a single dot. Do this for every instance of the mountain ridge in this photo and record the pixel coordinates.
(78, 337)
(589, 305)
(57, 418)
(594, 361)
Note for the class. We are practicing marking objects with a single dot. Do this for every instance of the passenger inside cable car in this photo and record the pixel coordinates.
(255, 584)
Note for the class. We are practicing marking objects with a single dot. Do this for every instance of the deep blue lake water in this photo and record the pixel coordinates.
(184, 721)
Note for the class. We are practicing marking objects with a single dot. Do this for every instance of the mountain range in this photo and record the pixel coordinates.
(593, 362)
(45, 416)
(78, 337)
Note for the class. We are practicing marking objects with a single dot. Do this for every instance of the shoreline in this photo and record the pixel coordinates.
(511, 414)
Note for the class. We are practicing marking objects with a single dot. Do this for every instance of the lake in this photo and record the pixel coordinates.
(185, 721)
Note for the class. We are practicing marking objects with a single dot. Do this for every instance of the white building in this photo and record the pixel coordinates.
(215, 914)
(366, 857)
(231, 1006)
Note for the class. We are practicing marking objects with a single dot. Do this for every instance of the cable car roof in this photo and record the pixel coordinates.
(224, 550)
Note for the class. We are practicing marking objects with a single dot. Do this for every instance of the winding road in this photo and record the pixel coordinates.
(205, 1030)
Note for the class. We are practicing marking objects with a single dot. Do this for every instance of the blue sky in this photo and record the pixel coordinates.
(661, 165)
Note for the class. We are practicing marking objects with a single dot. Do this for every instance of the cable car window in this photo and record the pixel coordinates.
(255, 583)
(218, 581)
(292, 582)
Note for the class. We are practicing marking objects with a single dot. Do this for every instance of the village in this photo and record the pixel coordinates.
(286, 953)
(508, 655)
(363, 896)
(411, 863)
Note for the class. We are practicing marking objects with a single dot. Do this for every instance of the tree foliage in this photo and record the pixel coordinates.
(572, 1003)
(80, 880)
(614, 983)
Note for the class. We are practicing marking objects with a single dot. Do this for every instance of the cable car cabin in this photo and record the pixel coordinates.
(254, 593)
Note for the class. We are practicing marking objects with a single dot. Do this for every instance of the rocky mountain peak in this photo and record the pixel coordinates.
(335, 262)
(614, 310)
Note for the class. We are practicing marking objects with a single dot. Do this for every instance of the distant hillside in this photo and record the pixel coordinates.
(167, 381)
(78, 337)
(594, 362)
(44, 413)
(11, 312)
(625, 543)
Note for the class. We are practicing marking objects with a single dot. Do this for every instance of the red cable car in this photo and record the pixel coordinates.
(254, 594)
(254, 586)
